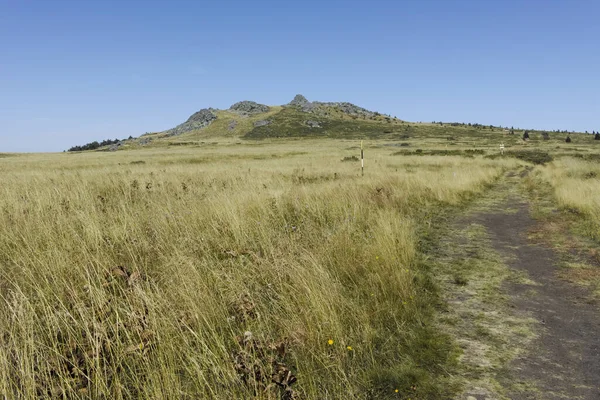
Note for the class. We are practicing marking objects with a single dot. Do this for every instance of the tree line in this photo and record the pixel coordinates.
(95, 145)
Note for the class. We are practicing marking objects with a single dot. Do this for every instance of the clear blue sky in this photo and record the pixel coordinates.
(73, 71)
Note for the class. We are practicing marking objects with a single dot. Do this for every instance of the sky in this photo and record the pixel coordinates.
(74, 71)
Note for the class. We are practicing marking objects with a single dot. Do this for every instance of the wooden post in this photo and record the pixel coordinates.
(362, 159)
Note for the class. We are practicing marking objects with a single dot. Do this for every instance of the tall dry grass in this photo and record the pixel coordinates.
(267, 271)
(576, 184)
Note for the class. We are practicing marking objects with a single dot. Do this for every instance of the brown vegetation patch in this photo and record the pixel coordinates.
(263, 367)
(580, 275)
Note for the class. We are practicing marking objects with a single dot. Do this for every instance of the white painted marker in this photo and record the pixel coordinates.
(362, 159)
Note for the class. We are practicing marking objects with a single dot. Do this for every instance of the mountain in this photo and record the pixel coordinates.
(303, 118)
(298, 118)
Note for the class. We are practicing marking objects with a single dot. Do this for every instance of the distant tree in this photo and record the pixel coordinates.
(94, 145)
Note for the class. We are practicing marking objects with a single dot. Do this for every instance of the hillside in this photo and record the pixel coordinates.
(249, 120)
(300, 118)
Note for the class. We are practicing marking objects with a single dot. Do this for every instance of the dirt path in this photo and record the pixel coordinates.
(564, 361)
(524, 332)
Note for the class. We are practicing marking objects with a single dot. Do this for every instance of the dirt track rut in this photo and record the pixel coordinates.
(564, 361)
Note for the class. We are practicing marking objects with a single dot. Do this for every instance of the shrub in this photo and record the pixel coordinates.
(94, 145)
(534, 157)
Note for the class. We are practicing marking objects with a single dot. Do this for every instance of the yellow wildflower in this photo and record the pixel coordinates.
(330, 342)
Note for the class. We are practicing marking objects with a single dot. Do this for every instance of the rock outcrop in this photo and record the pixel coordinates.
(299, 101)
(302, 103)
(249, 108)
(318, 107)
(198, 120)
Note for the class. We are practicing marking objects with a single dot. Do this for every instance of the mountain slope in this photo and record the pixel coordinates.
(299, 118)
(341, 120)
(324, 121)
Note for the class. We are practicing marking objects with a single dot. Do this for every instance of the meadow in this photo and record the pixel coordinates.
(268, 270)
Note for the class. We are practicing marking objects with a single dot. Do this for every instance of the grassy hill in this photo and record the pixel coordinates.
(248, 121)
(338, 120)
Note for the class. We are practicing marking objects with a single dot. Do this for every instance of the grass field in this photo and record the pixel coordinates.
(262, 269)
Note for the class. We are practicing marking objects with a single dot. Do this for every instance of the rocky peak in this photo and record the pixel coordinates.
(302, 103)
(198, 120)
(299, 100)
(249, 107)
(205, 115)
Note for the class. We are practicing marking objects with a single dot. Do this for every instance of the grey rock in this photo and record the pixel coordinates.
(145, 141)
(313, 124)
(302, 103)
(198, 120)
(249, 108)
(262, 123)
(309, 107)
(232, 124)
(299, 101)
(321, 108)
(203, 116)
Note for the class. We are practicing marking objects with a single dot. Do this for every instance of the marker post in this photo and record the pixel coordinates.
(362, 159)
